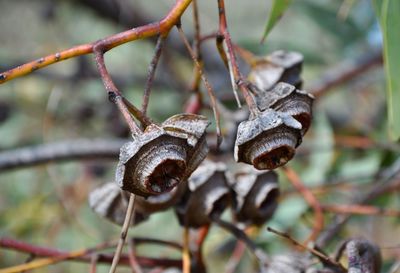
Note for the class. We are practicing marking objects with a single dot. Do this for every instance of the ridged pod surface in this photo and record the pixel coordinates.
(162, 156)
(110, 202)
(256, 195)
(286, 98)
(279, 66)
(268, 140)
(207, 195)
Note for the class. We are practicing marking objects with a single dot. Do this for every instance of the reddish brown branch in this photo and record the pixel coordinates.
(236, 76)
(344, 72)
(106, 43)
(311, 200)
(386, 182)
(361, 209)
(8, 243)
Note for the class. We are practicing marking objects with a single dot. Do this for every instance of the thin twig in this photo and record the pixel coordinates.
(114, 94)
(313, 251)
(311, 200)
(38, 263)
(240, 235)
(195, 87)
(93, 263)
(203, 232)
(207, 84)
(344, 72)
(132, 257)
(152, 71)
(186, 251)
(8, 243)
(235, 258)
(386, 182)
(124, 232)
(232, 62)
(144, 120)
(60, 151)
(361, 209)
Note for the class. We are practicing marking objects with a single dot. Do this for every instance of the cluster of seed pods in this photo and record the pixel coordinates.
(163, 165)
(211, 189)
(270, 137)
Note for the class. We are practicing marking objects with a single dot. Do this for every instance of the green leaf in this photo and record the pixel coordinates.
(388, 12)
(277, 9)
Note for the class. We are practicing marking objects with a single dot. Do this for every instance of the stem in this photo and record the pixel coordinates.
(237, 255)
(204, 231)
(312, 250)
(197, 43)
(234, 71)
(114, 94)
(151, 72)
(38, 263)
(186, 251)
(311, 200)
(93, 263)
(207, 84)
(132, 257)
(33, 250)
(124, 232)
(240, 235)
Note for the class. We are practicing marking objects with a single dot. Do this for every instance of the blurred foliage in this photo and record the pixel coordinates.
(47, 205)
(388, 15)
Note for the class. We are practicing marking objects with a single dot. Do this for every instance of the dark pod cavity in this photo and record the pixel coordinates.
(268, 140)
(162, 156)
(206, 195)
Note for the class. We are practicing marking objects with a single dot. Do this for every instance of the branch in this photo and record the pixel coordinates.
(386, 182)
(345, 72)
(106, 43)
(61, 151)
(310, 199)
(8, 243)
(317, 253)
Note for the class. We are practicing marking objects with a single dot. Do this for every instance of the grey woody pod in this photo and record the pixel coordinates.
(256, 195)
(268, 140)
(286, 98)
(288, 263)
(110, 202)
(161, 202)
(207, 195)
(280, 66)
(157, 160)
(363, 256)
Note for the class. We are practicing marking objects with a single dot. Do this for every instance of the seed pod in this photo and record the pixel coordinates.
(193, 128)
(157, 160)
(268, 140)
(278, 66)
(288, 263)
(364, 256)
(206, 196)
(110, 202)
(256, 195)
(161, 202)
(286, 98)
